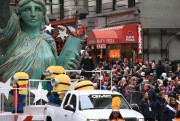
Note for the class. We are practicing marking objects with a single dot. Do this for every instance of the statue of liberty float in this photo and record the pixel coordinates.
(28, 50)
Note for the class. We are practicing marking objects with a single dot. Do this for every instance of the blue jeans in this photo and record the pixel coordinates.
(20, 105)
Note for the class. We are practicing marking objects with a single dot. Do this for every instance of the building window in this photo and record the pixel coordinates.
(114, 5)
(131, 3)
(86, 4)
(51, 6)
(98, 6)
(61, 9)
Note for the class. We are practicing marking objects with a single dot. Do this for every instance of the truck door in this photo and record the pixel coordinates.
(64, 112)
(69, 114)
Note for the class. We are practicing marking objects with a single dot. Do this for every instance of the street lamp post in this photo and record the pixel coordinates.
(170, 41)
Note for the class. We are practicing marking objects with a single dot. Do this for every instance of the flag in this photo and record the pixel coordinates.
(82, 29)
(71, 29)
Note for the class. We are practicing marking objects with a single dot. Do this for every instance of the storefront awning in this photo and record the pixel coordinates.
(114, 35)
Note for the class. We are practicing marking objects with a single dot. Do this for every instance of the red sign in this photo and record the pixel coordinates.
(106, 41)
(139, 39)
(101, 46)
(129, 34)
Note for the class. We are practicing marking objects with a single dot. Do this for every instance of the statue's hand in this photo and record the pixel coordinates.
(74, 62)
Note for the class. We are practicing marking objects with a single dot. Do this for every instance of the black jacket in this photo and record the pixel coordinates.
(159, 106)
(88, 65)
(146, 109)
(168, 114)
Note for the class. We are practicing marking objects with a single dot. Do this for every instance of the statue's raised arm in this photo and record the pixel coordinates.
(5, 12)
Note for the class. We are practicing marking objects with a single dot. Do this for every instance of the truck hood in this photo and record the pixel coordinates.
(105, 113)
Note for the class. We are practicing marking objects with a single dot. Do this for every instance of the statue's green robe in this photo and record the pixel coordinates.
(22, 52)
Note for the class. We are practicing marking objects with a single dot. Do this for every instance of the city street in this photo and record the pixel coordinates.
(89, 60)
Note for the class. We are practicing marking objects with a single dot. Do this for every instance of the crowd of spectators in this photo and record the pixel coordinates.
(154, 86)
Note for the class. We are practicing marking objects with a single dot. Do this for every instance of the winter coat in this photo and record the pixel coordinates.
(168, 114)
(146, 108)
(88, 65)
(159, 106)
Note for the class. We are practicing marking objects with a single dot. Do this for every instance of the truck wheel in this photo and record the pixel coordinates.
(48, 119)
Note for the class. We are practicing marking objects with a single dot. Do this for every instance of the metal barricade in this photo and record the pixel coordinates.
(7, 104)
(133, 97)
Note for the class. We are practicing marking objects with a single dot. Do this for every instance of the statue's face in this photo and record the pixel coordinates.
(32, 14)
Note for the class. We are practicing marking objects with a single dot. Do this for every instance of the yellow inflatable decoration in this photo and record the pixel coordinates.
(20, 80)
(84, 85)
(61, 84)
(53, 71)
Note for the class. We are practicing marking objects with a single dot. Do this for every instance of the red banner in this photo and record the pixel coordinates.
(139, 39)
(129, 34)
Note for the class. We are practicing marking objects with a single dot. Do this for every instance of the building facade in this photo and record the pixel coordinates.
(160, 23)
(66, 9)
(113, 15)
(159, 20)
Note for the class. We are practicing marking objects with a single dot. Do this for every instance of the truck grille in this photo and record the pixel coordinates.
(130, 119)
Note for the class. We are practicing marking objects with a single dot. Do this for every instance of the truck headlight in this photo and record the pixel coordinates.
(141, 119)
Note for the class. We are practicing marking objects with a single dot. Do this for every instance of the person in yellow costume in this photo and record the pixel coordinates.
(19, 80)
(84, 85)
(115, 114)
(51, 73)
(61, 84)
(177, 117)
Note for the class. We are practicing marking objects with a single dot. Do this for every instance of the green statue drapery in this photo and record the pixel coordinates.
(23, 45)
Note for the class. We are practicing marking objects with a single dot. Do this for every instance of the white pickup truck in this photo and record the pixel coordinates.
(89, 105)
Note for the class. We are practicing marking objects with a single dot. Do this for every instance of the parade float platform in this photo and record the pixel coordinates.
(31, 113)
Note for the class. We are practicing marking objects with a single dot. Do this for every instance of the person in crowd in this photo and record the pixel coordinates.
(50, 73)
(122, 84)
(167, 66)
(150, 89)
(160, 69)
(170, 87)
(154, 67)
(61, 84)
(19, 80)
(177, 116)
(159, 105)
(87, 64)
(146, 108)
(115, 114)
(170, 110)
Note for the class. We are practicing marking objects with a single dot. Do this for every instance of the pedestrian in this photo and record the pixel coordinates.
(115, 114)
(87, 64)
(159, 105)
(50, 73)
(19, 80)
(170, 110)
(146, 108)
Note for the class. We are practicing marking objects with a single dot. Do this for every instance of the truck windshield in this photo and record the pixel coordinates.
(99, 101)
